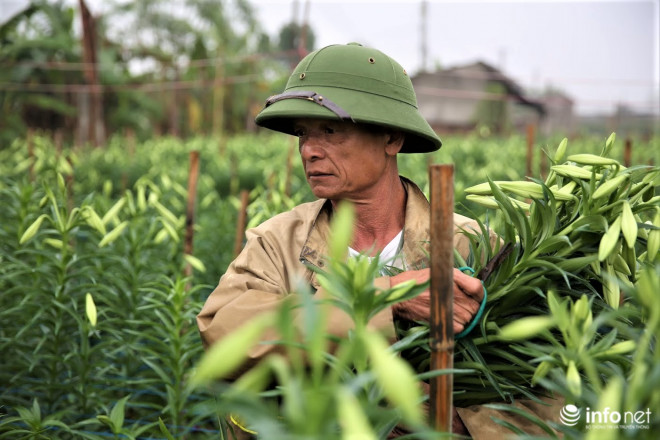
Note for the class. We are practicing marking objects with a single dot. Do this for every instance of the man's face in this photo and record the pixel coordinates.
(342, 160)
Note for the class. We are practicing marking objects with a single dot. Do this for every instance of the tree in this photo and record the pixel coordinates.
(32, 94)
(294, 36)
(198, 47)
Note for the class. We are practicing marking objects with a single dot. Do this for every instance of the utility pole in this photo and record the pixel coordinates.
(302, 42)
(423, 35)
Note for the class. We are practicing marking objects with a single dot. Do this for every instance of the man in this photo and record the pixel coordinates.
(353, 110)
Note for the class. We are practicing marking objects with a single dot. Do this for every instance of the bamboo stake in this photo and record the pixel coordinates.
(240, 225)
(627, 153)
(190, 209)
(442, 295)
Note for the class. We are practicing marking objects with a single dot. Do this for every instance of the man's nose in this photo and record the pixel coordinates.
(311, 148)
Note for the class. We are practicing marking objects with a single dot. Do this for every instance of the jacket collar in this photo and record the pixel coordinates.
(415, 231)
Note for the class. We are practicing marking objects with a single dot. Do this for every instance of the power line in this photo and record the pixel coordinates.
(144, 87)
(205, 62)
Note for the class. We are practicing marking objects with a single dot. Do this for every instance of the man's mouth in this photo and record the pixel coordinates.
(317, 174)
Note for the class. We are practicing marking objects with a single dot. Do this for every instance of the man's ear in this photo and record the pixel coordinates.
(394, 142)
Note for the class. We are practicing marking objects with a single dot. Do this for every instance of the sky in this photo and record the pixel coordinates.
(601, 53)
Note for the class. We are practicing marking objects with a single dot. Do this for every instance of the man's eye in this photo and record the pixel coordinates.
(329, 130)
(299, 132)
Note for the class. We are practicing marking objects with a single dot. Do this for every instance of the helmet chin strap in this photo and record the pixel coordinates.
(314, 97)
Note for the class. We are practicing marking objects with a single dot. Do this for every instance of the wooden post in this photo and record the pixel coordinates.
(190, 209)
(627, 153)
(95, 129)
(242, 220)
(530, 149)
(442, 294)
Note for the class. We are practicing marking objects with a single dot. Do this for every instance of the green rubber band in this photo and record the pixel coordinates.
(480, 312)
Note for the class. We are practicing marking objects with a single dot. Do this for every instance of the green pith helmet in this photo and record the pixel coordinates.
(353, 83)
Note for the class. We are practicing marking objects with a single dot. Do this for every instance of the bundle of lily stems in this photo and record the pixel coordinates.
(571, 284)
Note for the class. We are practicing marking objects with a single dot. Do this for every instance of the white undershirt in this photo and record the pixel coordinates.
(390, 255)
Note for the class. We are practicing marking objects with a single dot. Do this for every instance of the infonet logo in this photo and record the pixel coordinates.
(606, 419)
(569, 415)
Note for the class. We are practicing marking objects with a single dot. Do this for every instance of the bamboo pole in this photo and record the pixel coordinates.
(95, 129)
(190, 209)
(442, 284)
(240, 225)
(627, 153)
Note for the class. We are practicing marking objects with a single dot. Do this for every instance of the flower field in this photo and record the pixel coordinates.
(103, 268)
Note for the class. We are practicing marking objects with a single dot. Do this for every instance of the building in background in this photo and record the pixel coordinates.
(468, 97)
(559, 116)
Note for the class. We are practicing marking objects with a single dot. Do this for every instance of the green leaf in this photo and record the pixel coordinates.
(31, 231)
(628, 224)
(94, 220)
(113, 212)
(609, 240)
(341, 231)
(609, 186)
(354, 422)
(608, 401)
(107, 421)
(90, 309)
(164, 430)
(592, 159)
(195, 262)
(575, 265)
(575, 172)
(254, 380)
(552, 244)
(117, 415)
(619, 348)
(573, 380)
(395, 376)
(525, 328)
(229, 353)
(559, 310)
(166, 213)
(611, 288)
(541, 371)
(653, 241)
(114, 234)
(525, 414)
(561, 150)
(608, 145)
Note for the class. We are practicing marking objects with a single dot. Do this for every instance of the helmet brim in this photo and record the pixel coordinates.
(363, 107)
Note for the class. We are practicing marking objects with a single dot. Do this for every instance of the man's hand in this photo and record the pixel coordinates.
(468, 293)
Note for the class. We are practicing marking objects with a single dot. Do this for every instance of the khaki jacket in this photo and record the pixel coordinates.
(277, 257)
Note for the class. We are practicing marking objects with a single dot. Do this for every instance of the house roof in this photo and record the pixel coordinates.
(482, 70)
